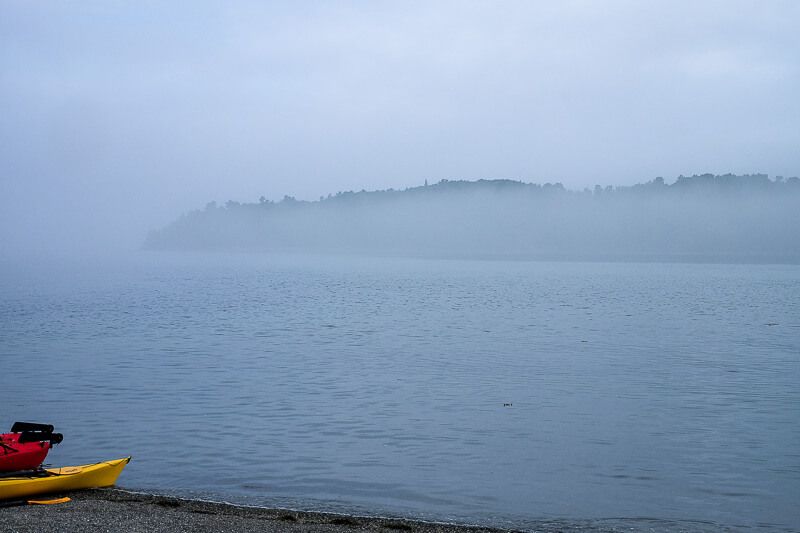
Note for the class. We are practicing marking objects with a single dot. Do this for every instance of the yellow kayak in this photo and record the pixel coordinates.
(63, 479)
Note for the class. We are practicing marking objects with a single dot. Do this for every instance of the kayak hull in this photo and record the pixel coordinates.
(63, 479)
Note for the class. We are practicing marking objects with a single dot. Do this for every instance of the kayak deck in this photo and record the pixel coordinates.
(63, 479)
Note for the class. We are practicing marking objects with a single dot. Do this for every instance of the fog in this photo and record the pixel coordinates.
(118, 117)
(699, 218)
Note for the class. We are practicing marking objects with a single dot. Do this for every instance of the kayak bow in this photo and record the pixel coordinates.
(62, 479)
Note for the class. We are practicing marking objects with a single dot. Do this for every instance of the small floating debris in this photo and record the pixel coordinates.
(507, 404)
(772, 324)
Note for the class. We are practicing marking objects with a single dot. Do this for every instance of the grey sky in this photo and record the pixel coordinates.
(117, 117)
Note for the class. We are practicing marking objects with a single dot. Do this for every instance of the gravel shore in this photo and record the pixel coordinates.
(113, 510)
(118, 510)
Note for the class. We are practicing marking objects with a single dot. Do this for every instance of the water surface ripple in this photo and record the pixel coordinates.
(660, 396)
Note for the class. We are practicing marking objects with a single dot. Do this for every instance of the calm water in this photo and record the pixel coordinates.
(664, 396)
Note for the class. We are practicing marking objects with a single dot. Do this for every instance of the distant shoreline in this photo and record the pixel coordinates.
(689, 259)
(717, 219)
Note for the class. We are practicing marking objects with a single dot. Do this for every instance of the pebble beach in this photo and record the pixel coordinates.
(119, 510)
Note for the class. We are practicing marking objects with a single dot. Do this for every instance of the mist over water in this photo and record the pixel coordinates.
(117, 117)
(412, 258)
(702, 218)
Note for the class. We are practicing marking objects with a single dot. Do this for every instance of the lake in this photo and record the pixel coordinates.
(648, 395)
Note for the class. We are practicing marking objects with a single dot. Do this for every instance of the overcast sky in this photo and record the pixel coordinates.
(115, 117)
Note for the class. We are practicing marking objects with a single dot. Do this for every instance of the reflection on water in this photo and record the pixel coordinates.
(379, 386)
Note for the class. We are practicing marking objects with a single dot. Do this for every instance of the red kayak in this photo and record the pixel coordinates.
(26, 446)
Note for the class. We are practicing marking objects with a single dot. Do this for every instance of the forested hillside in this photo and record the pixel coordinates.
(702, 217)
